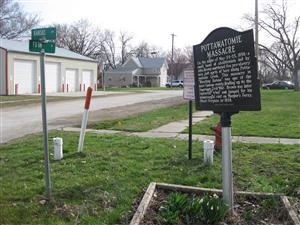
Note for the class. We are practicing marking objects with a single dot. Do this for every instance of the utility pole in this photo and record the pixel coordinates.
(172, 59)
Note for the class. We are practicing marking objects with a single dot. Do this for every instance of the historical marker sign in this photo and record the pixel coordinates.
(226, 72)
(43, 34)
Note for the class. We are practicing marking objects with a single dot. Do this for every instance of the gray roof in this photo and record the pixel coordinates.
(151, 62)
(23, 47)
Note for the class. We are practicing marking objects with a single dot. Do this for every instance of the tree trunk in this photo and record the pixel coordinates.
(296, 78)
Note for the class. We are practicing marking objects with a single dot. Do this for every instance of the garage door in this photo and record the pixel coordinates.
(87, 79)
(24, 77)
(72, 80)
(52, 77)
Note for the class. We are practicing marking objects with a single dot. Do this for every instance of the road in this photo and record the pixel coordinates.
(18, 121)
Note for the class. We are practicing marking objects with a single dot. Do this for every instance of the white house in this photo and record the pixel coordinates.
(138, 71)
(65, 71)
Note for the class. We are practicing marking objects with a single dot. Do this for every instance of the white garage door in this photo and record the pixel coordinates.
(87, 79)
(52, 77)
(24, 77)
(72, 80)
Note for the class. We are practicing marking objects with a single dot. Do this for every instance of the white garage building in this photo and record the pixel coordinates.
(65, 71)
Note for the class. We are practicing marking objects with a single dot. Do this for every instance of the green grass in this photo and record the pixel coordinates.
(136, 89)
(147, 120)
(279, 117)
(18, 100)
(101, 185)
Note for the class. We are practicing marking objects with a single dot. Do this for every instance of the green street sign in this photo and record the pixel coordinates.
(43, 34)
(37, 46)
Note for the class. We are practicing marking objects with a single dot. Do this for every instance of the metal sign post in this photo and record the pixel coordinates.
(190, 128)
(43, 40)
(227, 182)
(45, 130)
(188, 93)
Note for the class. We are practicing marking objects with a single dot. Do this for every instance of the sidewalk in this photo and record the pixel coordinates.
(174, 129)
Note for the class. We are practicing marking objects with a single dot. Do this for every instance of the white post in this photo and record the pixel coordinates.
(227, 167)
(84, 118)
(82, 130)
(227, 182)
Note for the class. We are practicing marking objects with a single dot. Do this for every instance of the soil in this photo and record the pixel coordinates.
(249, 210)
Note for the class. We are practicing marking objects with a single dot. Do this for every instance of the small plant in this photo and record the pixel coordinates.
(192, 209)
(172, 208)
(214, 209)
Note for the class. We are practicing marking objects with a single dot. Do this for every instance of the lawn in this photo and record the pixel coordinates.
(147, 120)
(279, 117)
(17, 100)
(101, 185)
(136, 89)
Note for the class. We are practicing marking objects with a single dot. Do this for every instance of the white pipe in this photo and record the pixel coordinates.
(82, 130)
(227, 167)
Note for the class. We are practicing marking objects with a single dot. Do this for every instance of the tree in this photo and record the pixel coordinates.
(14, 22)
(125, 52)
(279, 69)
(80, 37)
(109, 49)
(275, 22)
(181, 59)
(146, 51)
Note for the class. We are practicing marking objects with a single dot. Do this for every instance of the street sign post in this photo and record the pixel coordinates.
(226, 82)
(43, 40)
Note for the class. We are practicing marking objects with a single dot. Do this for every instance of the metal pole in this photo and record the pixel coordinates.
(172, 59)
(45, 130)
(227, 182)
(190, 127)
(103, 84)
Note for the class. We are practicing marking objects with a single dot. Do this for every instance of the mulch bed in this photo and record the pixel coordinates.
(249, 210)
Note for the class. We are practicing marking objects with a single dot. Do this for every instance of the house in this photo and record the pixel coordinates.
(65, 71)
(137, 72)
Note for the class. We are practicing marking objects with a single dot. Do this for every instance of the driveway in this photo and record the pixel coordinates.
(18, 121)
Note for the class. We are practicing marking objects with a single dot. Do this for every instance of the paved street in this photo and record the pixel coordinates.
(19, 121)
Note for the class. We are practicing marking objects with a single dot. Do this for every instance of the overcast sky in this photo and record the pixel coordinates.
(153, 20)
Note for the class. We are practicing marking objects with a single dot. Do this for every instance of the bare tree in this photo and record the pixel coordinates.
(275, 22)
(125, 52)
(181, 59)
(109, 49)
(80, 37)
(279, 69)
(14, 22)
(147, 51)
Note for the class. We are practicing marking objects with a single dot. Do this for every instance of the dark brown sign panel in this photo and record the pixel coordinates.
(226, 72)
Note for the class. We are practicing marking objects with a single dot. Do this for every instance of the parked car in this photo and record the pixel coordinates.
(175, 83)
(279, 85)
